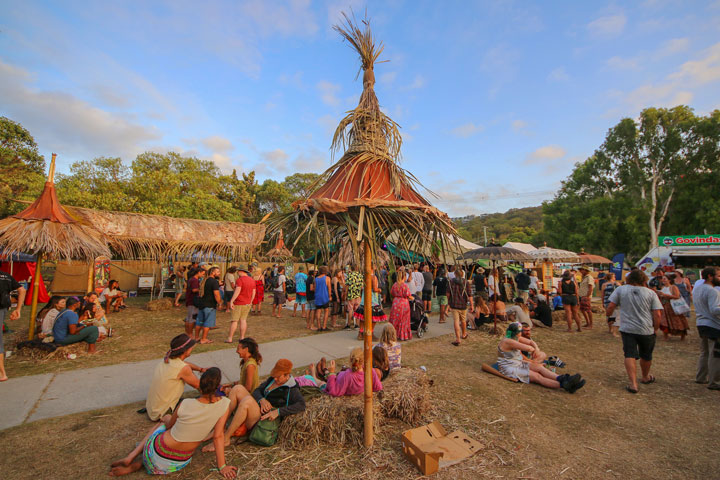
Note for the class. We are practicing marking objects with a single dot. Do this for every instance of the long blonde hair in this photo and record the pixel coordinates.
(356, 359)
(389, 335)
(401, 275)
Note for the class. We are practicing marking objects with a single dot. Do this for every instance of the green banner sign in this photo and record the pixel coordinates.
(690, 241)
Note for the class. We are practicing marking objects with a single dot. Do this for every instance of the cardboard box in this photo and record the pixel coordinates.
(431, 448)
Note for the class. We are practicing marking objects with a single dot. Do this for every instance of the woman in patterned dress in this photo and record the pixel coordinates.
(671, 323)
(400, 311)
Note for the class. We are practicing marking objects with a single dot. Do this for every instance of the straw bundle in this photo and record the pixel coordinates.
(327, 421)
(158, 304)
(406, 396)
(59, 354)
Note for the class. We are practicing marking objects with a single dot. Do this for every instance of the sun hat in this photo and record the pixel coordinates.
(282, 367)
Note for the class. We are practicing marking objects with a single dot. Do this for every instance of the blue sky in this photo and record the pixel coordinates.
(497, 100)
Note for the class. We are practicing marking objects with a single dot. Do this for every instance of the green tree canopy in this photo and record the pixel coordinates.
(22, 167)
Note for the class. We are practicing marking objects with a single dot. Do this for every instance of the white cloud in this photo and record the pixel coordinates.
(675, 45)
(67, 124)
(608, 26)
(620, 63)
(277, 159)
(519, 125)
(418, 82)
(328, 93)
(219, 144)
(545, 154)
(703, 71)
(558, 75)
(467, 130)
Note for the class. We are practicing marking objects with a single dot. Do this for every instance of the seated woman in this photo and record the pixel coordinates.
(67, 330)
(511, 363)
(95, 315)
(250, 360)
(112, 296)
(277, 397)
(170, 377)
(352, 380)
(518, 312)
(482, 311)
(496, 307)
(48, 314)
(388, 340)
(381, 364)
(542, 314)
(169, 447)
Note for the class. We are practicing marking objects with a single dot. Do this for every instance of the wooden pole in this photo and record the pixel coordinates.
(91, 277)
(367, 369)
(36, 290)
(495, 294)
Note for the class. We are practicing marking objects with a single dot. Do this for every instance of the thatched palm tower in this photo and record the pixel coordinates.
(366, 196)
(280, 253)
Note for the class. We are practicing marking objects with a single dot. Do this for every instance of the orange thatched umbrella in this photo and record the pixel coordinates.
(366, 197)
(46, 229)
(589, 258)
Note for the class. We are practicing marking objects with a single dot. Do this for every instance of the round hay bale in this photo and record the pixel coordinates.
(327, 420)
(406, 395)
(558, 316)
(160, 304)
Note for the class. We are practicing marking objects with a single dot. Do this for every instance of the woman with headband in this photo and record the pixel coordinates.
(170, 377)
(511, 363)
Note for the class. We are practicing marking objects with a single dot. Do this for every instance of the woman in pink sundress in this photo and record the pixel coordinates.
(400, 311)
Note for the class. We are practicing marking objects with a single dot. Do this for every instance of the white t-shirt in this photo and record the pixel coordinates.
(280, 281)
(450, 275)
(107, 293)
(418, 280)
(229, 282)
(701, 281)
(533, 282)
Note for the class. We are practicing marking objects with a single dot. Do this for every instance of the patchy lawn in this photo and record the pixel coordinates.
(140, 334)
(666, 431)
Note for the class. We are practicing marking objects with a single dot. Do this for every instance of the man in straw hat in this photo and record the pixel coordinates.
(170, 377)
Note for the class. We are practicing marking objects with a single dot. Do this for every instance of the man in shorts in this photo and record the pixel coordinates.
(241, 302)
(641, 313)
(440, 286)
(300, 290)
(279, 292)
(585, 291)
(354, 284)
(210, 299)
(427, 288)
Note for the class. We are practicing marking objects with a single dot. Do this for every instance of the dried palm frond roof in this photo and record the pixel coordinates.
(82, 233)
(46, 227)
(366, 194)
(136, 235)
(345, 257)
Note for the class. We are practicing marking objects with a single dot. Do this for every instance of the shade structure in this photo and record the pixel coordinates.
(496, 254)
(366, 198)
(589, 258)
(280, 252)
(554, 255)
(345, 256)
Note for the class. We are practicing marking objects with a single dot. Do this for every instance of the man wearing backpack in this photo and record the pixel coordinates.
(458, 297)
(7, 285)
(278, 286)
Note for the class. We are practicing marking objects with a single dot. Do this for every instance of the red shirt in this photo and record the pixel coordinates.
(247, 286)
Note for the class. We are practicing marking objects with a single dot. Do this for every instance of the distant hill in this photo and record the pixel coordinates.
(516, 225)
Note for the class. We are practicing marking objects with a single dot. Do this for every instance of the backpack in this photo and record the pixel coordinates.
(275, 281)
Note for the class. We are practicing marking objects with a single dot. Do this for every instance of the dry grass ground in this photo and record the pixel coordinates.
(668, 430)
(140, 334)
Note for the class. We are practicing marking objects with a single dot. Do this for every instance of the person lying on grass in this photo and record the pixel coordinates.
(170, 377)
(511, 363)
(169, 447)
(277, 397)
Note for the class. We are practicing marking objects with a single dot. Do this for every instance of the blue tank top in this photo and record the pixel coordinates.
(322, 296)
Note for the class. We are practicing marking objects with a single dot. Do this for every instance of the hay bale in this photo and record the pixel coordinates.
(59, 354)
(329, 421)
(158, 304)
(406, 395)
(558, 316)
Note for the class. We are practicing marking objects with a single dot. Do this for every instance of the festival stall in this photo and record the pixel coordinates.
(689, 252)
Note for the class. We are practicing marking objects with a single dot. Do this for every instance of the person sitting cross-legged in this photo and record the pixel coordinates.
(170, 446)
(67, 329)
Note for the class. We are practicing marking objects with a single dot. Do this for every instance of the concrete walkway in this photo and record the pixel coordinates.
(35, 397)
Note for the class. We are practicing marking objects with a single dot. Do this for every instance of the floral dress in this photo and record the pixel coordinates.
(259, 291)
(400, 311)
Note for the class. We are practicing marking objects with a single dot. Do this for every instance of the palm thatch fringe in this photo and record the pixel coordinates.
(345, 256)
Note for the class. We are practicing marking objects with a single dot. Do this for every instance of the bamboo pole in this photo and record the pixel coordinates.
(368, 430)
(36, 289)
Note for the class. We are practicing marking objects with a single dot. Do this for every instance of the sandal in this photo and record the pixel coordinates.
(457, 344)
(652, 380)
(631, 390)
(464, 337)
